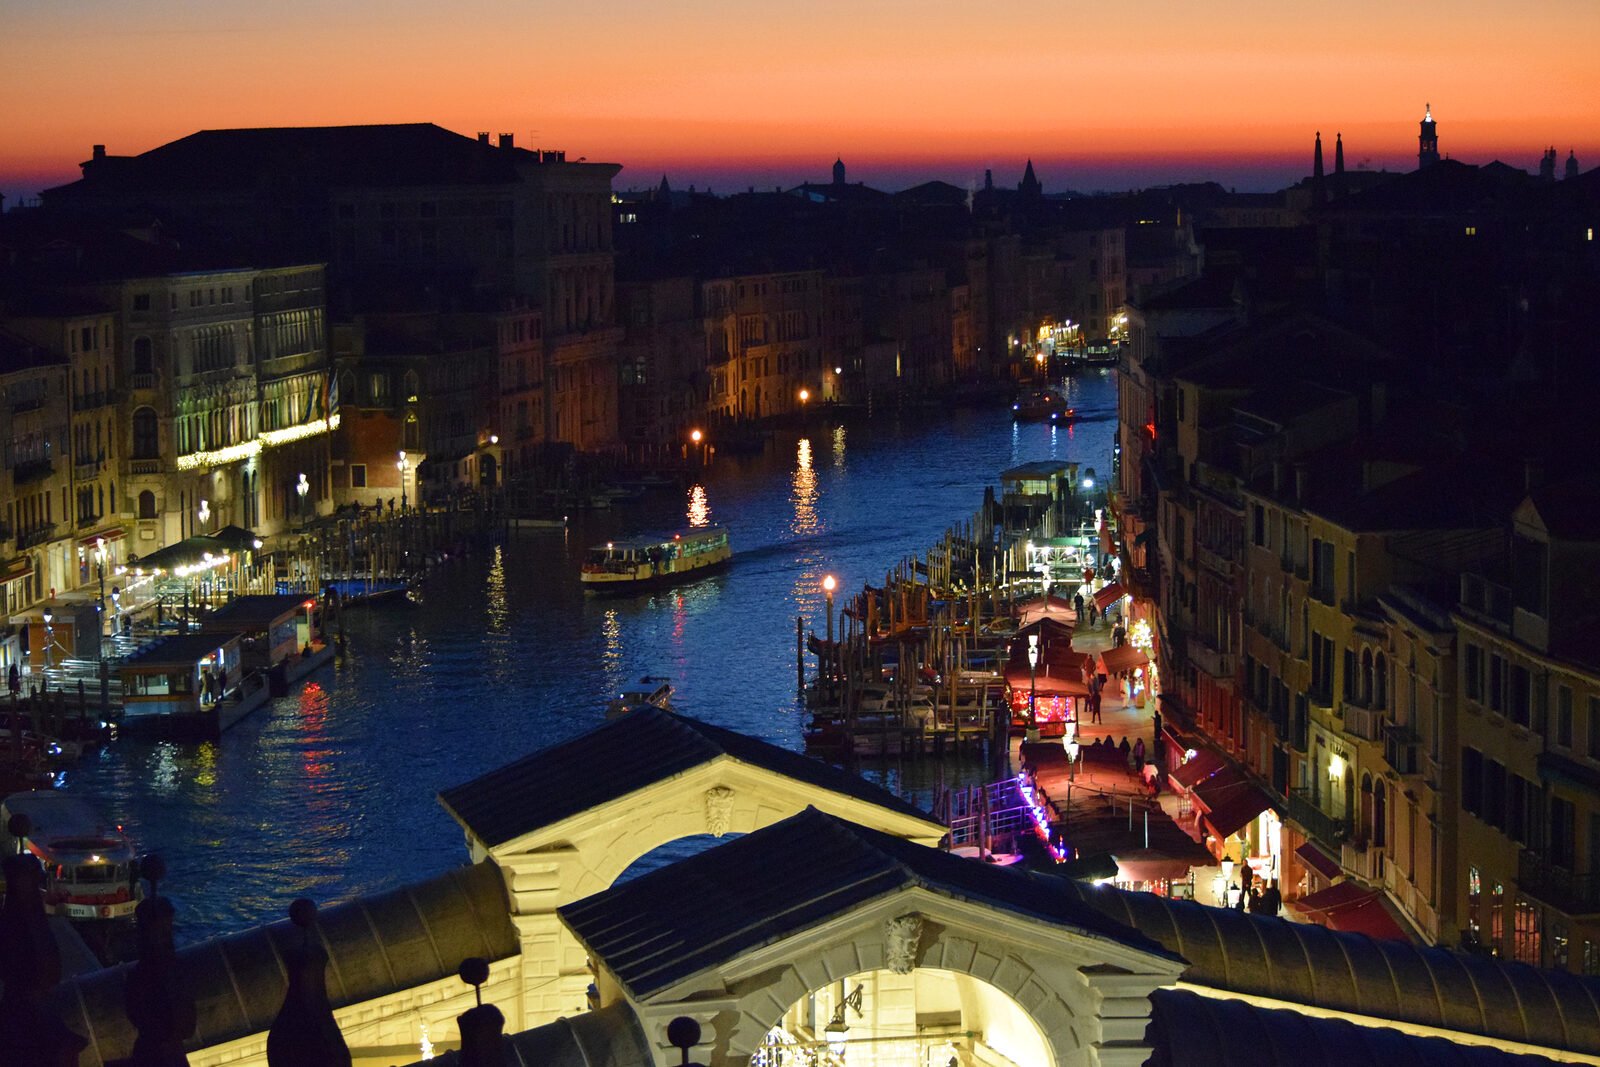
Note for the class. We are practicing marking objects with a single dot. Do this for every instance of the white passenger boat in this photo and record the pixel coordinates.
(90, 870)
(622, 566)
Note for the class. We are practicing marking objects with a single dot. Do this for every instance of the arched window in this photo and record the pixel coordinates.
(146, 434)
(147, 505)
(1380, 695)
(413, 387)
(143, 356)
(1366, 677)
(347, 389)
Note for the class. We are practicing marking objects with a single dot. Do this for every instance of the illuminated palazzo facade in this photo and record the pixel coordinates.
(227, 404)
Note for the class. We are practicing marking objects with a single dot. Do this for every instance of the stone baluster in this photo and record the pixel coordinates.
(305, 1034)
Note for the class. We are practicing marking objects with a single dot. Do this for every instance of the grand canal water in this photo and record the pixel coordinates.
(331, 792)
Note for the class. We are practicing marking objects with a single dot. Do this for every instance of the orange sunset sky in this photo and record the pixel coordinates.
(729, 94)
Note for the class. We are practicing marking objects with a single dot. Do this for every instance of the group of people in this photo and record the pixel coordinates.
(1256, 898)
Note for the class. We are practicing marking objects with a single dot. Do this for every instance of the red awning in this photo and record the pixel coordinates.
(1204, 764)
(1153, 865)
(1230, 801)
(113, 534)
(1123, 658)
(1104, 598)
(1318, 860)
(1106, 544)
(1353, 908)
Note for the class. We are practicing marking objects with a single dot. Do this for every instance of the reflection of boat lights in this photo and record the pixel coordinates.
(699, 507)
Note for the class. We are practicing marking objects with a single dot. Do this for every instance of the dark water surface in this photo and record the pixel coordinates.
(330, 792)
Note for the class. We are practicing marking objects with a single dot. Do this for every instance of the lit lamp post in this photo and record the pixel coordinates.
(1069, 742)
(1033, 687)
(697, 439)
(49, 638)
(301, 488)
(828, 586)
(100, 572)
(400, 465)
(116, 609)
(805, 395)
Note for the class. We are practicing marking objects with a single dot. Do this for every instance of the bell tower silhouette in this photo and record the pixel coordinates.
(1428, 139)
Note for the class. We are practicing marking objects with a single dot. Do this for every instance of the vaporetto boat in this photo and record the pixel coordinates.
(618, 566)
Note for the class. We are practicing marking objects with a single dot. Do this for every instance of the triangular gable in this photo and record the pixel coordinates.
(623, 756)
(810, 869)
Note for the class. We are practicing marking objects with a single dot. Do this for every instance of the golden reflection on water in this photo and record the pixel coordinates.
(499, 614)
(804, 492)
(205, 764)
(699, 507)
(838, 448)
(611, 655)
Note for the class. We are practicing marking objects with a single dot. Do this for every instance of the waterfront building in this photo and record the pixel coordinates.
(405, 216)
(1528, 684)
(35, 425)
(81, 330)
(763, 345)
(664, 382)
(227, 415)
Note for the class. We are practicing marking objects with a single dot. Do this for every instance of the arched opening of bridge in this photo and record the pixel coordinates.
(926, 1018)
(672, 851)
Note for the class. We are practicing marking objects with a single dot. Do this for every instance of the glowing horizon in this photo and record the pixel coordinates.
(705, 92)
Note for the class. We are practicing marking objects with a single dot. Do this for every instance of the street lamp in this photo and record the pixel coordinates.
(805, 394)
(400, 465)
(49, 638)
(1033, 687)
(1069, 742)
(302, 487)
(203, 512)
(100, 569)
(828, 586)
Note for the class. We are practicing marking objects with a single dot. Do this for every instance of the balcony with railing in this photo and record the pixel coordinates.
(1362, 722)
(1215, 561)
(1328, 830)
(1209, 660)
(1558, 886)
(1402, 749)
(31, 470)
(144, 466)
(36, 534)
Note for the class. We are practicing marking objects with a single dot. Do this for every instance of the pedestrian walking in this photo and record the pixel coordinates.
(1077, 604)
(1094, 706)
(1138, 753)
(1118, 635)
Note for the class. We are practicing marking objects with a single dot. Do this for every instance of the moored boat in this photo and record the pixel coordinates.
(90, 868)
(622, 566)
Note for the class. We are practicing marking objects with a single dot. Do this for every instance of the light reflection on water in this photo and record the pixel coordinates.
(331, 791)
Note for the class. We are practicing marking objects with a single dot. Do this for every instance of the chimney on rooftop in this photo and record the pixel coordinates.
(507, 141)
(1300, 477)
(1532, 475)
(1277, 477)
(99, 151)
(483, 136)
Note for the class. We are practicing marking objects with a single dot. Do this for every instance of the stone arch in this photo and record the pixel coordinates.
(1087, 999)
(888, 1004)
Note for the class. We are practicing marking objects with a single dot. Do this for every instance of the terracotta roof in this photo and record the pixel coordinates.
(621, 757)
(771, 884)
